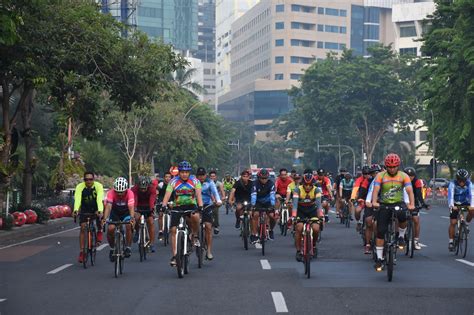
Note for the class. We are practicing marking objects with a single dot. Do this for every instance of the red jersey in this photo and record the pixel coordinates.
(360, 189)
(120, 204)
(323, 184)
(144, 198)
(281, 186)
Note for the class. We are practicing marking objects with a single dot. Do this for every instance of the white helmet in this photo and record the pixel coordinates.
(120, 184)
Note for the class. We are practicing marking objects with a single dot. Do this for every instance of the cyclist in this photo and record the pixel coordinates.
(417, 185)
(292, 174)
(209, 194)
(161, 194)
(345, 190)
(262, 197)
(369, 210)
(337, 182)
(88, 199)
(390, 184)
(325, 185)
(222, 192)
(459, 191)
(359, 193)
(281, 186)
(120, 206)
(228, 183)
(239, 194)
(187, 195)
(144, 193)
(306, 204)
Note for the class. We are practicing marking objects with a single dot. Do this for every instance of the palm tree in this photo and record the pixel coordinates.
(183, 80)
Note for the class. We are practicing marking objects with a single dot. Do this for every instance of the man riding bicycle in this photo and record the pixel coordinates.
(263, 197)
(239, 194)
(88, 199)
(460, 192)
(281, 186)
(223, 194)
(145, 197)
(187, 192)
(369, 210)
(325, 185)
(337, 182)
(390, 184)
(345, 190)
(359, 193)
(120, 206)
(161, 194)
(306, 205)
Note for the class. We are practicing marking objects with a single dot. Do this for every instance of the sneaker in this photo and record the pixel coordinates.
(216, 230)
(379, 265)
(99, 237)
(271, 236)
(253, 239)
(196, 242)
(417, 245)
(299, 256)
(81, 257)
(173, 261)
(111, 255)
(237, 225)
(209, 256)
(160, 235)
(367, 249)
(152, 248)
(352, 219)
(127, 252)
(135, 237)
(401, 242)
(337, 215)
(451, 247)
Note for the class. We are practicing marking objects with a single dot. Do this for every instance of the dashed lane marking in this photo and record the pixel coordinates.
(423, 245)
(279, 301)
(39, 238)
(265, 264)
(101, 247)
(466, 262)
(54, 271)
(2, 300)
(444, 217)
(423, 212)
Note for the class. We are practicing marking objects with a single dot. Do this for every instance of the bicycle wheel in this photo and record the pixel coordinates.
(227, 206)
(412, 241)
(199, 251)
(263, 236)
(457, 237)
(390, 263)
(308, 250)
(165, 230)
(117, 252)
(245, 232)
(93, 250)
(463, 240)
(408, 234)
(180, 254)
(141, 243)
(285, 223)
(122, 257)
(85, 247)
(186, 261)
(348, 219)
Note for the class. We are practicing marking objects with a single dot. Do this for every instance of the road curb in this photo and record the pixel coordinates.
(23, 233)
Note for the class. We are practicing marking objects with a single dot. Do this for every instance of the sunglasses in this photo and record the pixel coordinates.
(88, 179)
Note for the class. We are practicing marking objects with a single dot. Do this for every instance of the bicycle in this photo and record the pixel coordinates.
(309, 248)
(183, 245)
(461, 232)
(166, 225)
(346, 215)
(202, 251)
(391, 242)
(245, 225)
(119, 246)
(263, 228)
(410, 236)
(227, 204)
(284, 216)
(90, 238)
(143, 235)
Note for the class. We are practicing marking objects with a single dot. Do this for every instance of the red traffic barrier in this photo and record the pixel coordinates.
(53, 212)
(31, 216)
(19, 218)
(67, 211)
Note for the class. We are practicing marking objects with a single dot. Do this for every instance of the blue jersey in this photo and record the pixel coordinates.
(208, 190)
(263, 193)
(458, 194)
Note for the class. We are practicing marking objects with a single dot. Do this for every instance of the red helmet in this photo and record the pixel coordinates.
(392, 160)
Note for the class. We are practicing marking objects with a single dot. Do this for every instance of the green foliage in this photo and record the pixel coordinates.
(100, 158)
(447, 80)
(73, 173)
(7, 222)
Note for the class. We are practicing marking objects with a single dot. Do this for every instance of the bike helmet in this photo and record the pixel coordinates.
(263, 173)
(375, 168)
(365, 170)
(120, 184)
(392, 160)
(144, 182)
(184, 166)
(462, 174)
(410, 171)
(297, 176)
(308, 176)
(201, 171)
(321, 172)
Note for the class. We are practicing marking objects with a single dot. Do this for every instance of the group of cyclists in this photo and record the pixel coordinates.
(369, 196)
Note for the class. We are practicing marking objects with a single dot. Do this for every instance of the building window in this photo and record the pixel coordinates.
(372, 15)
(280, 8)
(320, 45)
(320, 28)
(333, 12)
(305, 26)
(408, 51)
(295, 8)
(342, 46)
(302, 42)
(279, 42)
(330, 45)
(320, 10)
(342, 12)
(407, 31)
(279, 25)
(331, 28)
(278, 76)
(279, 59)
(343, 30)
(423, 136)
(295, 76)
(371, 31)
(302, 8)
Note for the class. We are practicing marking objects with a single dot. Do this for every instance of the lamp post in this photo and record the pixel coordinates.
(434, 152)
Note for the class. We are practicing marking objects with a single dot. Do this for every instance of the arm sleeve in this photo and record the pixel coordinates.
(253, 195)
(272, 196)
(100, 197)
(406, 199)
(78, 197)
(450, 194)
(369, 192)
(471, 193)
(152, 197)
(214, 192)
(296, 195)
(131, 198)
(355, 189)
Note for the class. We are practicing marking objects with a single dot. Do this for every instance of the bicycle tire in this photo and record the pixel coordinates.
(165, 230)
(85, 248)
(285, 223)
(463, 240)
(199, 251)
(93, 250)
(412, 241)
(408, 234)
(141, 243)
(186, 264)
(227, 206)
(308, 254)
(390, 263)
(180, 254)
(245, 232)
(263, 237)
(122, 256)
(457, 237)
(116, 254)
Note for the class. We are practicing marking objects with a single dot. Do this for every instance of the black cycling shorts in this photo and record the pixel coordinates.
(119, 216)
(84, 215)
(207, 214)
(145, 211)
(368, 212)
(268, 206)
(346, 194)
(383, 216)
(453, 214)
(176, 216)
(307, 212)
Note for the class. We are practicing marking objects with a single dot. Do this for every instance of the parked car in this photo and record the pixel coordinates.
(439, 183)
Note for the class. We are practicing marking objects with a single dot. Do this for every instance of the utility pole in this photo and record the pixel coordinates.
(237, 144)
(433, 193)
(339, 146)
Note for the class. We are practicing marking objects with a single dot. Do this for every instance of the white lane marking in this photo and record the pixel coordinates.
(444, 217)
(101, 247)
(466, 262)
(332, 211)
(265, 264)
(38, 238)
(423, 245)
(52, 272)
(2, 300)
(279, 301)
(258, 245)
(423, 212)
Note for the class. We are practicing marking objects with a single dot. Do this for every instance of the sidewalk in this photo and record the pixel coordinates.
(29, 231)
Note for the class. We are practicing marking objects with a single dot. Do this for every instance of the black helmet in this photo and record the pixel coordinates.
(321, 172)
(263, 173)
(375, 168)
(410, 171)
(365, 170)
(143, 182)
(201, 171)
(462, 174)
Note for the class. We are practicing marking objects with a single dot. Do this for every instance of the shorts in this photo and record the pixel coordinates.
(117, 216)
(83, 217)
(325, 198)
(307, 213)
(346, 194)
(176, 216)
(453, 214)
(207, 214)
(267, 206)
(368, 212)
(145, 211)
(383, 217)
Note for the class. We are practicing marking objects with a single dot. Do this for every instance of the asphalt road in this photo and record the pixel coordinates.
(240, 282)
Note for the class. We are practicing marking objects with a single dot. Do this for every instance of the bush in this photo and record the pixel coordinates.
(42, 212)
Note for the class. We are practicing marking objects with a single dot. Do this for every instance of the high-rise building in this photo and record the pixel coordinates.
(276, 40)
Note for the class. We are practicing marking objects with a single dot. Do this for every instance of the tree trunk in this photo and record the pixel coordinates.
(26, 111)
(130, 172)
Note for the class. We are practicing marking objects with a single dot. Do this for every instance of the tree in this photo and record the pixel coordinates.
(448, 80)
(365, 95)
(183, 79)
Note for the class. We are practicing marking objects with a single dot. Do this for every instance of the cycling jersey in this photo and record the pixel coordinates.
(228, 184)
(263, 194)
(144, 198)
(370, 191)
(360, 189)
(323, 184)
(209, 191)
(242, 191)
(347, 184)
(460, 194)
(89, 200)
(306, 204)
(120, 204)
(281, 186)
(391, 187)
(185, 191)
